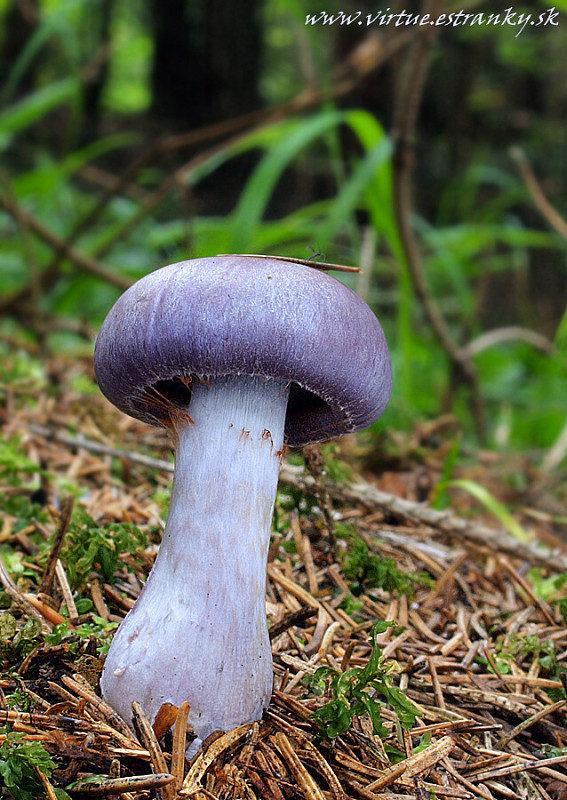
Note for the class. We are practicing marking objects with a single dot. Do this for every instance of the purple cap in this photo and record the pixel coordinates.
(253, 316)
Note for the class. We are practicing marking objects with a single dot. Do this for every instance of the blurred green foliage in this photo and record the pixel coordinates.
(479, 234)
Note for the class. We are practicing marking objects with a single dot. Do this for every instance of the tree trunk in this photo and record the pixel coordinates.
(98, 65)
(206, 59)
(19, 25)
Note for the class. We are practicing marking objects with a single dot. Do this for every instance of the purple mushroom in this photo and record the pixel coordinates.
(236, 356)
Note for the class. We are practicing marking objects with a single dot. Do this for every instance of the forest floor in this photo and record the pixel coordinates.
(462, 696)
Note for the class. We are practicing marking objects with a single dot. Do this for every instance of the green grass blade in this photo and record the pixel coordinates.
(354, 190)
(34, 107)
(381, 206)
(494, 506)
(53, 24)
(255, 197)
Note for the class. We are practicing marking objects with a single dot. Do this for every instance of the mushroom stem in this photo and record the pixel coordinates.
(198, 630)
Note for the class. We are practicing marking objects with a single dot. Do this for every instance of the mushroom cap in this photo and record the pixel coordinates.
(246, 315)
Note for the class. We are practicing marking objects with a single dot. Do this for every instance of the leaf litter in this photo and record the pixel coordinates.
(415, 654)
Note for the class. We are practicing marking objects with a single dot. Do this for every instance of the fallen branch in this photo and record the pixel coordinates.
(358, 493)
(84, 262)
(495, 538)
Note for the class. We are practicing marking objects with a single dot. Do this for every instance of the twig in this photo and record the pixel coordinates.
(51, 614)
(360, 493)
(501, 335)
(121, 785)
(367, 255)
(204, 760)
(308, 786)
(179, 744)
(324, 266)
(21, 221)
(48, 788)
(420, 762)
(525, 765)
(344, 81)
(293, 588)
(473, 787)
(314, 463)
(103, 179)
(53, 557)
(80, 686)
(67, 593)
(79, 442)
(290, 620)
(437, 690)
(494, 538)
(84, 262)
(178, 178)
(44, 321)
(527, 723)
(312, 753)
(147, 737)
(556, 454)
(303, 547)
(405, 117)
(540, 200)
(523, 584)
(18, 598)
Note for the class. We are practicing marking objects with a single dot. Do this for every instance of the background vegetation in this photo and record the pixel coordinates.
(134, 134)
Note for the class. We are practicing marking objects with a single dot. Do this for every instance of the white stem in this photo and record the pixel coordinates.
(198, 630)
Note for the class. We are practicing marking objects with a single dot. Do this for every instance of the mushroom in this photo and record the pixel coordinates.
(236, 356)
